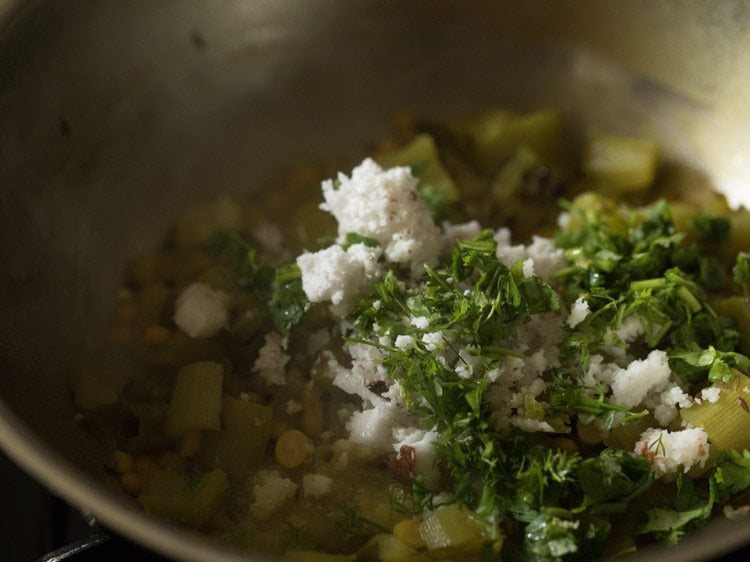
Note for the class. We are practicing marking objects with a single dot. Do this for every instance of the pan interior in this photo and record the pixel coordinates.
(114, 116)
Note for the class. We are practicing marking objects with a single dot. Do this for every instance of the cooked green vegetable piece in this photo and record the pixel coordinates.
(387, 548)
(532, 408)
(196, 398)
(244, 416)
(181, 349)
(499, 133)
(421, 155)
(626, 435)
(185, 499)
(726, 421)
(501, 354)
(622, 164)
(452, 530)
(508, 184)
(242, 443)
(522, 192)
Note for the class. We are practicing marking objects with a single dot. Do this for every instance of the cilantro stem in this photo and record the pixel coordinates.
(572, 398)
(484, 246)
(495, 352)
(287, 274)
(689, 299)
(645, 284)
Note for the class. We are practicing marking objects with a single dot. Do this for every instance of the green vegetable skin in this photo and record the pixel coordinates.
(423, 158)
(628, 262)
(722, 419)
(574, 493)
(179, 498)
(621, 164)
(242, 443)
(452, 530)
(196, 399)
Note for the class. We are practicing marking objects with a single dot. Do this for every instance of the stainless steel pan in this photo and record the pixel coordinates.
(114, 114)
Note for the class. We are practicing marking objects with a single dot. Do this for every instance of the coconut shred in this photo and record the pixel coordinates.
(492, 353)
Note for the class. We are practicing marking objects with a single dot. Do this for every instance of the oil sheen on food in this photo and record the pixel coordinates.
(482, 342)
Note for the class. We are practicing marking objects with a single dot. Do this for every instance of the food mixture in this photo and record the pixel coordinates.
(483, 345)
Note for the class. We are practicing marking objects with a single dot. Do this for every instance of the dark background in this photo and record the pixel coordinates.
(35, 523)
(32, 521)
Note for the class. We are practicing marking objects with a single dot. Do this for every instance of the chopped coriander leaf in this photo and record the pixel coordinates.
(544, 479)
(282, 287)
(603, 256)
(353, 238)
(732, 474)
(532, 392)
(611, 480)
(478, 315)
(708, 271)
(690, 510)
(741, 270)
(694, 501)
(437, 202)
(242, 259)
(476, 302)
(712, 228)
(671, 305)
(695, 364)
(288, 302)
(569, 397)
(669, 526)
(555, 535)
(386, 305)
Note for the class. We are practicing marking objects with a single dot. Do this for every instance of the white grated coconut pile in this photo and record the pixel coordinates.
(671, 451)
(384, 205)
